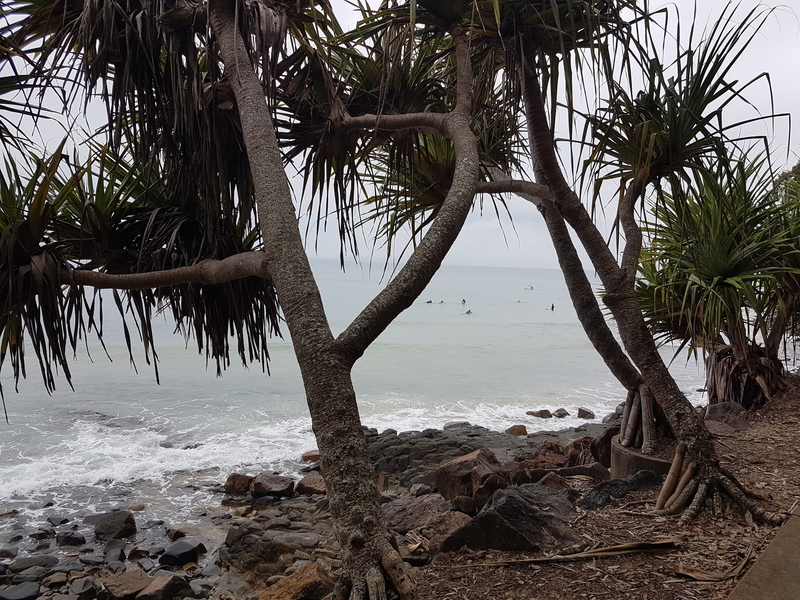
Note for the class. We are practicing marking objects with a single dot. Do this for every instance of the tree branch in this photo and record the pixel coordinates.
(534, 193)
(424, 121)
(463, 72)
(210, 271)
(423, 263)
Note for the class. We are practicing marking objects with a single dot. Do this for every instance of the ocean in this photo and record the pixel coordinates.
(481, 345)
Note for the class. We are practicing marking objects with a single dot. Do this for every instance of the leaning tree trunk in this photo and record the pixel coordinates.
(368, 557)
(366, 551)
(708, 480)
(643, 422)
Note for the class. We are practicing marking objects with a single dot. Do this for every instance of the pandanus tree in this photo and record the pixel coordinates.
(210, 99)
(650, 142)
(720, 275)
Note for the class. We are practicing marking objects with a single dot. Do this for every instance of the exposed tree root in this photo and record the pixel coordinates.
(372, 585)
(709, 485)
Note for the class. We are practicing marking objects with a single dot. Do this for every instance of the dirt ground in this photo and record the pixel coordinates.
(714, 554)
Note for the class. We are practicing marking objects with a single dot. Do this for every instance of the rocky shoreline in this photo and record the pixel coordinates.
(272, 537)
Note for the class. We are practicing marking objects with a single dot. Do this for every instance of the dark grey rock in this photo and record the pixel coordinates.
(42, 560)
(602, 493)
(530, 517)
(560, 413)
(9, 552)
(83, 588)
(91, 561)
(115, 525)
(56, 520)
(31, 574)
(43, 533)
(28, 590)
(181, 553)
(601, 446)
(585, 413)
(70, 538)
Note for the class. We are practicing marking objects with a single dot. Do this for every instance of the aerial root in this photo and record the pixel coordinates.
(397, 572)
(694, 491)
(376, 587)
(697, 504)
(372, 586)
(758, 513)
(716, 503)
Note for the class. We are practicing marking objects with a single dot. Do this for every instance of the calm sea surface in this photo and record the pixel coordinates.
(120, 438)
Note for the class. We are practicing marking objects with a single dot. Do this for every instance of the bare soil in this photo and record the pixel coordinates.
(760, 448)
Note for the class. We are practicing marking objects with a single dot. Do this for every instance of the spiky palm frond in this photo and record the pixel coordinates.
(675, 123)
(716, 269)
(119, 217)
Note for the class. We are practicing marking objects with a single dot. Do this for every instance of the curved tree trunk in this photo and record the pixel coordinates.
(325, 363)
(645, 427)
(618, 279)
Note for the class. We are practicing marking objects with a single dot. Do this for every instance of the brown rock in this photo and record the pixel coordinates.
(517, 430)
(440, 526)
(407, 513)
(542, 414)
(238, 484)
(464, 504)
(585, 413)
(463, 475)
(272, 485)
(311, 484)
(311, 456)
(311, 582)
(559, 484)
(126, 585)
(487, 488)
(164, 587)
(549, 456)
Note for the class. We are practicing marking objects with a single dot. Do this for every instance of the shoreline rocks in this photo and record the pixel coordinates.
(272, 536)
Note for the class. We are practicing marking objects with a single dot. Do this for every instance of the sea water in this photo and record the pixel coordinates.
(481, 344)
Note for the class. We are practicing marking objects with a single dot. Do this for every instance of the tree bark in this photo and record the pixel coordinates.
(619, 281)
(325, 363)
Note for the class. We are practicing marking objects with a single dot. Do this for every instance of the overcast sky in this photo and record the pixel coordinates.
(776, 50)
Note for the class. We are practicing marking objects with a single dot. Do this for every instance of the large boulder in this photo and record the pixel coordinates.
(529, 518)
(409, 512)
(126, 585)
(115, 525)
(272, 485)
(238, 484)
(463, 475)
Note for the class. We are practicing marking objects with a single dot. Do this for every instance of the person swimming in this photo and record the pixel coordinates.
(469, 312)
(463, 301)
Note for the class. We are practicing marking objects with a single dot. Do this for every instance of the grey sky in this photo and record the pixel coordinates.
(776, 50)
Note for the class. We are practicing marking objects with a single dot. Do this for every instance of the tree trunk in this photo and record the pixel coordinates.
(618, 280)
(353, 493)
(325, 363)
